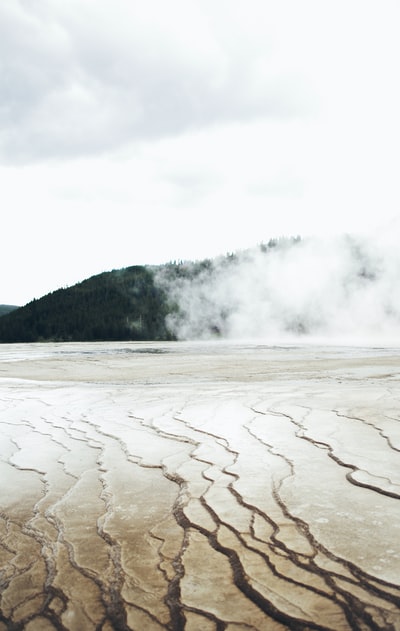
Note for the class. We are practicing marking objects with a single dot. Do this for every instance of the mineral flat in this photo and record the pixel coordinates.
(199, 486)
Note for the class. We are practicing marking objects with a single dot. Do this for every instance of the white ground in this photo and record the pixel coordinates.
(199, 486)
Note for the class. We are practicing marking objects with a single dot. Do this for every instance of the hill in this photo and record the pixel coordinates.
(171, 301)
(283, 289)
(4, 309)
(118, 305)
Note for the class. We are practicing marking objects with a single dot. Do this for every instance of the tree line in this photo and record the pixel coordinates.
(118, 305)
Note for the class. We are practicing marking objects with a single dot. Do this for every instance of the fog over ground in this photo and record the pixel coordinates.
(332, 289)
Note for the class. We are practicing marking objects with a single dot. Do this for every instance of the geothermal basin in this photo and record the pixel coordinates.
(199, 486)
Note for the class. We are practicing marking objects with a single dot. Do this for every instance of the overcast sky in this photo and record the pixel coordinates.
(138, 132)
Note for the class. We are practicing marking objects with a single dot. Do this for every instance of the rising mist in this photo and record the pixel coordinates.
(343, 288)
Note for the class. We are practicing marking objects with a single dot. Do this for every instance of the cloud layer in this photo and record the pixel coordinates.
(86, 77)
(140, 132)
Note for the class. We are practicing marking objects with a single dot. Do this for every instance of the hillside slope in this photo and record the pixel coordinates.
(118, 305)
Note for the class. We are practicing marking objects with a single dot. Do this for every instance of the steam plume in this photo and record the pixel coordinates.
(339, 288)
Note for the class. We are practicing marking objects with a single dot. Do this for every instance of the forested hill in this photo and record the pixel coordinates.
(288, 286)
(176, 300)
(118, 305)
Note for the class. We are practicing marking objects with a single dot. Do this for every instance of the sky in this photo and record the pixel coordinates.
(144, 132)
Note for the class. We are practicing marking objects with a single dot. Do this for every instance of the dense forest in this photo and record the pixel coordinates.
(286, 286)
(133, 303)
(118, 305)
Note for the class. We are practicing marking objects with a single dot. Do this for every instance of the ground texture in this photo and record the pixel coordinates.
(199, 487)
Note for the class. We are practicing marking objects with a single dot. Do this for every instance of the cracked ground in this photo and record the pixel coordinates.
(200, 487)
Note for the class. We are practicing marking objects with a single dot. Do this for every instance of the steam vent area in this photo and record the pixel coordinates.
(199, 486)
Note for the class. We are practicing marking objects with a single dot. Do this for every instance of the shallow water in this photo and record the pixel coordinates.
(199, 486)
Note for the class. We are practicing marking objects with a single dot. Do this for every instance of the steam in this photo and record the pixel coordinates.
(343, 288)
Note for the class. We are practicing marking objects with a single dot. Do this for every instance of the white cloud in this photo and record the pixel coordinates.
(87, 77)
(142, 132)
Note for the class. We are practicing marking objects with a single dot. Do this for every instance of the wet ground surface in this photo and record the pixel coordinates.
(199, 487)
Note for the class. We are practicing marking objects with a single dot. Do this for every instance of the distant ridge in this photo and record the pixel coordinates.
(4, 309)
